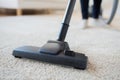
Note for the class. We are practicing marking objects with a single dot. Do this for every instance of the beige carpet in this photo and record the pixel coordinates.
(100, 44)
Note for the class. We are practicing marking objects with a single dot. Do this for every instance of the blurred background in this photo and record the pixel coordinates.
(48, 7)
(31, 7)
(21, 7)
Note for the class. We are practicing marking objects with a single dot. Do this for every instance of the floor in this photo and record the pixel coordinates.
(100, 44)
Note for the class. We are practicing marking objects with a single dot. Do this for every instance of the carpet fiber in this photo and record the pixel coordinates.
(100, 44)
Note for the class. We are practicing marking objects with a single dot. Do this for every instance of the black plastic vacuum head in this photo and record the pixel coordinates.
(53, 52)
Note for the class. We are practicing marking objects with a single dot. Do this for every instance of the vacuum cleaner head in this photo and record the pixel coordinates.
(53, 52)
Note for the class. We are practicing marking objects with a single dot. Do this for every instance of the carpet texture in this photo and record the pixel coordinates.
(100, 44)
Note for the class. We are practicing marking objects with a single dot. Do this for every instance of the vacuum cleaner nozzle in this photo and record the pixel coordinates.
(53, 52)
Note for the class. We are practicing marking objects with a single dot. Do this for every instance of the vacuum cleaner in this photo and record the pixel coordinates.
(56, 52)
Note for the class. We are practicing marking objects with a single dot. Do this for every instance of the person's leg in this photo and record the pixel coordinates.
(84, 10)
(96, 8)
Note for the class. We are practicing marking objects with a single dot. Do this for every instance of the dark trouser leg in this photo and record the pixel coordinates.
(84, 8)
(96, 8)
